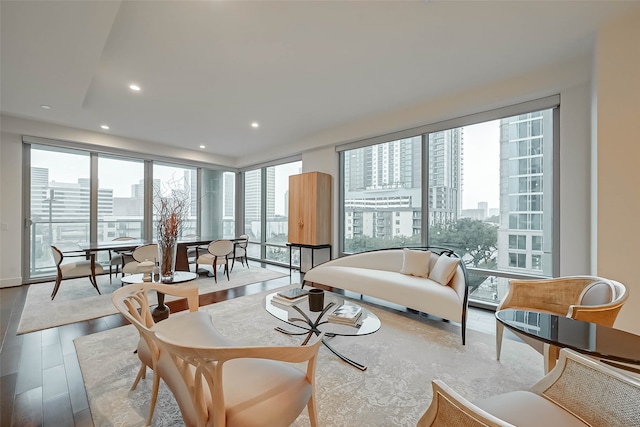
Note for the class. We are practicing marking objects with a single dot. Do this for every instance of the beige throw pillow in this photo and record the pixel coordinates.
(415, 263)
(444, 269)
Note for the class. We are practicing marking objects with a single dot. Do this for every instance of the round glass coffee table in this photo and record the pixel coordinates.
(308, 322)
(161, 311)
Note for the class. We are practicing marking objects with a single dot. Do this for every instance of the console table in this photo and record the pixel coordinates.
(313, 248)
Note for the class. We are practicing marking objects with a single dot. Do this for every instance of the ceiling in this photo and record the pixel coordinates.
(208, 69)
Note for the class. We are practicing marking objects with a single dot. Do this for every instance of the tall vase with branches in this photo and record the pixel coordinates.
(171, 209)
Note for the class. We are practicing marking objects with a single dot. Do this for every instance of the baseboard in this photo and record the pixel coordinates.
(8, 283)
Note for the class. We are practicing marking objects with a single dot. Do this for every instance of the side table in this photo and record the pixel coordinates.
(161, 311)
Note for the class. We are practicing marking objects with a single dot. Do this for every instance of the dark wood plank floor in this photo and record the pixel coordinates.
(40, 379)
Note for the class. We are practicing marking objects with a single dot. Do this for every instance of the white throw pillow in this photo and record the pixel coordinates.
(444, 269)
(415, 263)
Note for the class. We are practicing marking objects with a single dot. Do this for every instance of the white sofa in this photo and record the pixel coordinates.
(378, 274)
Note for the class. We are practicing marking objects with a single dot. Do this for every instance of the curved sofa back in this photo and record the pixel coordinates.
(391, 260)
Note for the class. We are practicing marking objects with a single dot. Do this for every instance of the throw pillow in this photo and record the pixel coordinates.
(415, 263)
(444, 269)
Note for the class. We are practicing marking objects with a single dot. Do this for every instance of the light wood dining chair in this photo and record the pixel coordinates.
(83, 268)
(218, 254)
(238, 386)
(119, 258)
(240, 250)
(133, 302)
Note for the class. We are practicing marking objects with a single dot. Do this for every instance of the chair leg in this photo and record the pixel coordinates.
(499, 331)
(110, 273)
(56, 287)
(93, 281)
(215, 273)
(233, 263)
(313, 411)
(142, 373)
(226, 270)
(154, 396)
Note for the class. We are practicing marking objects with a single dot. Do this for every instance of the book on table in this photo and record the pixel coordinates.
(346, 314)
(289, 298)
(292, 293)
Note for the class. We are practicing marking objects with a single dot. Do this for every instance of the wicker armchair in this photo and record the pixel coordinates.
(579, 391)
(587, 298)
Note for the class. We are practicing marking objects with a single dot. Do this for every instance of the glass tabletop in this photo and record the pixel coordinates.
(178, 277)
(367, 324)
(585, 337)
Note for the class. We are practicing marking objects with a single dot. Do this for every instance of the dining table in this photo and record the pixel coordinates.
(182, 260)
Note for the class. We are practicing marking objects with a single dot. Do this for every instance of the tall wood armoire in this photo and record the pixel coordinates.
(310, 208)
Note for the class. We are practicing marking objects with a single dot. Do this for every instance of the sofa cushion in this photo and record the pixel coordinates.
(527, 409)
(415, 262)
(444, 269)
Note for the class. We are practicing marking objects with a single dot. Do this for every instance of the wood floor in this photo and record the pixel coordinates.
(40, 379)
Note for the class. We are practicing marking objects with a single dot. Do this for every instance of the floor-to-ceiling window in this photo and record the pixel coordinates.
(266, 203)
(59, 204)
(488, 194)
(78, 195)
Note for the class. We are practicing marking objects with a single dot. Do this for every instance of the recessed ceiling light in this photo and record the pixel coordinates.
(45, 107)
(105, 127)
(254, 125)
(202, 146)
(134, 87)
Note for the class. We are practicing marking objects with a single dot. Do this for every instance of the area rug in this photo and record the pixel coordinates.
(77, 300)
(402, 358)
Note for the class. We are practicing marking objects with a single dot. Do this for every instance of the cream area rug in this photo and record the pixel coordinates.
(402, 358)
(77, 300)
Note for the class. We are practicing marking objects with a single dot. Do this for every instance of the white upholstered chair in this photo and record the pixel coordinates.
(147, 252)
(240, 250)
(83, 268)
(579, 391)
(133, 302)
(587, 298)
(118, 258)
(217, 254)
(238, 386)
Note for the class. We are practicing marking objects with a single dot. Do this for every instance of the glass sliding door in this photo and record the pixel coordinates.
(167, 178)
(277, 203)
(253, 211)
(217, 205)
(120, 198)
(59, 206)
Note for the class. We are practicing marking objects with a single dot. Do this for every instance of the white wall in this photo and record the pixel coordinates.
(617, 107)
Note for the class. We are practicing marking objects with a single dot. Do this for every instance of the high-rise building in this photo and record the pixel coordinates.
(383, 186)
(525, 220)
(445, 176)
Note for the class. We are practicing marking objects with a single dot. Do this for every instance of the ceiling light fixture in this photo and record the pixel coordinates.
(254, 125)
(202, 146)
(45, 107)
(134, 87)
(105, 127)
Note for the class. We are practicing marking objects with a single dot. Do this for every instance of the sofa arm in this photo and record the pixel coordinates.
(448, 408)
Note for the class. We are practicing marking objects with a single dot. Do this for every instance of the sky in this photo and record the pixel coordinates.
(481, 170)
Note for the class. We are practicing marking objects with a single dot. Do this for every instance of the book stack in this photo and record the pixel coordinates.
(346, 314)
(290, 297)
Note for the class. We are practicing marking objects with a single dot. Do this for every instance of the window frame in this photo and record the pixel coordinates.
(548, 103)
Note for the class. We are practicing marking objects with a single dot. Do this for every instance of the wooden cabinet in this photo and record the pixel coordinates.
(310, 208)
